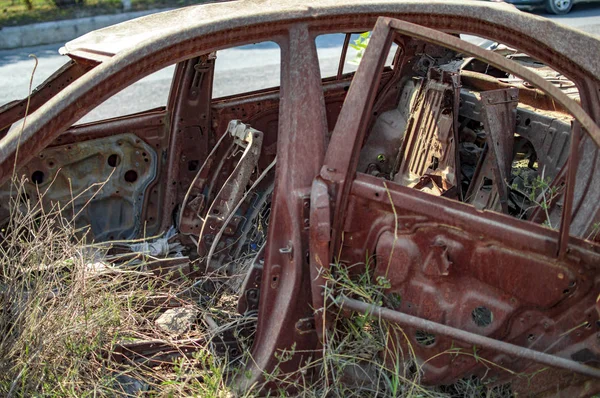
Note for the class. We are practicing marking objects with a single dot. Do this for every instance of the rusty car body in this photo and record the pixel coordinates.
(425, 164)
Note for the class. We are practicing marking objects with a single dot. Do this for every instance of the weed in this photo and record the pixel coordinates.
(68, 305)
(540, 193)
(360, 45)
(66, 309)
(595, 230)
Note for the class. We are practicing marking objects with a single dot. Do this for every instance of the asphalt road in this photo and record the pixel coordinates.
(237, 70)
(585, 17)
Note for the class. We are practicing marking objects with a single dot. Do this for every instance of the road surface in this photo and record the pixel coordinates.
(237, 70)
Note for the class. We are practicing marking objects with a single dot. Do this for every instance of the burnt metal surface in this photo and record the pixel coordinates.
(512, 25)
(151, 127)
(489, 187)
(250, 290)
(481, 341)
(427, 160)
(195, 200)
(567, 212)
(285, 222)
(101, 183)
(190, 137)
(548, 133)
(437, 260)
(483, 192)
(300, 151)
(533, 97)
(443, 260)
(248, 141)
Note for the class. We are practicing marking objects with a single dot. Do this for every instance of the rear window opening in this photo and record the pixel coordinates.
(246, 69)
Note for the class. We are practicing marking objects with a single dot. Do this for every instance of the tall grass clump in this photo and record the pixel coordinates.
(59, 307)
(364, 356)
(67, 306)
(62, 307)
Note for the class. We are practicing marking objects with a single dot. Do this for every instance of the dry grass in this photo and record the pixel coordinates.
(368, 357)
(64, 309)
(67, 304)
(58, 313)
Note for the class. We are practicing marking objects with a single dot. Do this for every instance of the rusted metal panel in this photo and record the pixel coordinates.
(483, 190)
(527, 95)
(428, 155)
(499, 119)
(224, 205)
(512, 27)
(348, 135)
(439, 15)
(567, 213)
(190, 137)
(445, 260)
(300, 150)
(151, 127)
(250, 291)
(548, 133)
(444, 273)
(443, 256)
(422, 324)
(507, 65)
(101, 182)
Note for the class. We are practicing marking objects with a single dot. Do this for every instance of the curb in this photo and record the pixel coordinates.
(61, 31)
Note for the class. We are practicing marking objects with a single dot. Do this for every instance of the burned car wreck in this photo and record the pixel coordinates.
(468, 177)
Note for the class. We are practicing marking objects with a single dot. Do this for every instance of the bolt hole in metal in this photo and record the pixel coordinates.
(113, 160)
(193, 165)
(37, 177)
(482, 316)
(424, 338)
(131, 176)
